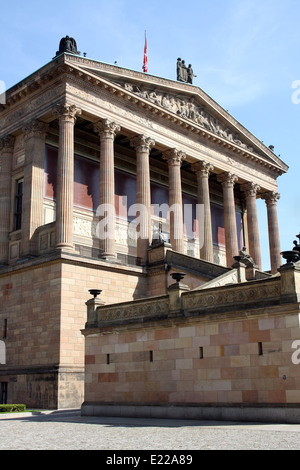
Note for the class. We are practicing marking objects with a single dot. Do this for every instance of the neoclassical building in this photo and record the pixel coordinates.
(112, 179)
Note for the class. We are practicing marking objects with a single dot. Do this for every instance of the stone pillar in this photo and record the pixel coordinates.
(174, 158)
(143, 145)
(67, 115)
(107, 131)
(271, 199)
(6, 152)
(32, 214)
(202, 170)
(228, 181)
(251, 190)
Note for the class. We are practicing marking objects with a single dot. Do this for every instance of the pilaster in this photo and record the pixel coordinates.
(32, 214)
(6, 153)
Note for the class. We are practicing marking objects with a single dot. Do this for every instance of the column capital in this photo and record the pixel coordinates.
(227, 179)
(174, 157)
(35, 128)
(271, 198)
(142, 143)
(202, 168)
(107, 129)
(7, 143)
(250, 189)
(67, 112)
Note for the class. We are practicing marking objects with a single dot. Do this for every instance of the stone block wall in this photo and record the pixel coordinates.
(234, 361)
(42, 309)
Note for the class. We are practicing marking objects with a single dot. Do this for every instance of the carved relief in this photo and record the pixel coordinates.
(188, 109)
(133, 311)
(199, 299)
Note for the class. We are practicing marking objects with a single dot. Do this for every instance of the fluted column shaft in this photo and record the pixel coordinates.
(107, 131)
(228, 181)
(32, 215)
(143, 145)
(65, 176)
(7, 148)
(203, 170)
(175, 158)
(251, 190)
(271, 199)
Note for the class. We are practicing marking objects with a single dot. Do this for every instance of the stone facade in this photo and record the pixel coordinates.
(79, 135)
(197, 353)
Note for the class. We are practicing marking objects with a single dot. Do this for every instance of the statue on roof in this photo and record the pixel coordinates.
(184, 74)
(69, 45)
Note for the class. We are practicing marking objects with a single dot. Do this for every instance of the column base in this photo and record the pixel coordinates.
(64, 247)
(108, 257)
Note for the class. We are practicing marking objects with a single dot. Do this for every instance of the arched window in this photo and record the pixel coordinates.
(2, 353)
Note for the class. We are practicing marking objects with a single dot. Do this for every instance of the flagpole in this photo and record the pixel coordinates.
(145, 63)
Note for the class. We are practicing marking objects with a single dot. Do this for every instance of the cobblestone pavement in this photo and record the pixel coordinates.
(67, 430)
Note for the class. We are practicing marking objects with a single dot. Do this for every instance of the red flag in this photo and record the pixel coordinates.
(145, 65)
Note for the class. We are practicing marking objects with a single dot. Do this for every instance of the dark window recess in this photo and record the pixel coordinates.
(107, 359)
(201, 355)
(3, 393)
(5, 328)
(151, 356)
(18, 205)
(260, 349)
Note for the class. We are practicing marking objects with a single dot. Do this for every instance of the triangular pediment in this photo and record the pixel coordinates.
(181, 103)
(186, 101)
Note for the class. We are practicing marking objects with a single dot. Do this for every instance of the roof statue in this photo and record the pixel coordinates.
(67, 44)
(184, 73)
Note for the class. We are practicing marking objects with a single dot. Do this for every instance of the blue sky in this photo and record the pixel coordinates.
(245, 53)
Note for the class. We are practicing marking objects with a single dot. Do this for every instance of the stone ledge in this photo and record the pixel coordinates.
(263, 413)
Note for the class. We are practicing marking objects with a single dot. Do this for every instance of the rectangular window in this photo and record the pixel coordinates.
(201, 353)
(5, 328)
(3, 393)
(18, 205)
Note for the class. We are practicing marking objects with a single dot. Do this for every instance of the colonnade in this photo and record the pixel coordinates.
(107, 131)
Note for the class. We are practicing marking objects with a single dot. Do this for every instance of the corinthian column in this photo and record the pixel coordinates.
(271, 199)
(174, 158)
(32, 217)
(143, 145)
(67, 115)
(251, 190)
(6, 152)
(228, 181)
(107, 131)
(202, 170)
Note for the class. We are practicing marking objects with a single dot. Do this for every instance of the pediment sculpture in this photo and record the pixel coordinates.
(188, 109)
